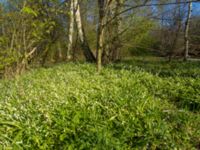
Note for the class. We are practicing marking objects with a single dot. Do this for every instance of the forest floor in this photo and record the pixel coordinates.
(140, 103)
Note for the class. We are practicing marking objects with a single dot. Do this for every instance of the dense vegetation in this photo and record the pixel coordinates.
(140, 104)
(99, 74)
(102, 31)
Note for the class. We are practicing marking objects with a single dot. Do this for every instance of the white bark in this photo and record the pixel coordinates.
(187, 27)
(78, 20)
(71, 30)
(84, 43)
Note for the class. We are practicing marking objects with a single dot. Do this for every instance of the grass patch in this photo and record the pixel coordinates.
(137, 104)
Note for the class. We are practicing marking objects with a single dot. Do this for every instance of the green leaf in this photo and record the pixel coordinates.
(30, 11)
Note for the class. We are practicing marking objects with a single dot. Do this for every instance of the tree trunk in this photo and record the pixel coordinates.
(60, 56)
(112, 40)
(116, 28)
(71, 30)
(84, 43)
(100, 34)
(187, 27)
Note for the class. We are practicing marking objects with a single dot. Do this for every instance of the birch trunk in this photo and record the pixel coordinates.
(71, 30)
(187, 27)
(100, 34)
(84, 43)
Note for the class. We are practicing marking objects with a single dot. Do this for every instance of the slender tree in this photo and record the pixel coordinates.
(116, 43)
(100, 34)
(71, 30)
(187, 27)
(84, 43)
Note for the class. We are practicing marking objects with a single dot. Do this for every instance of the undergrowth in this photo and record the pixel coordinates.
(130, 105)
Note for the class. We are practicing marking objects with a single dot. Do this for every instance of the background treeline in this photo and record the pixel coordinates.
(102, 31)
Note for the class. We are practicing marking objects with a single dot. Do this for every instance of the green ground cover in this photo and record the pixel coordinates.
(134, 104)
